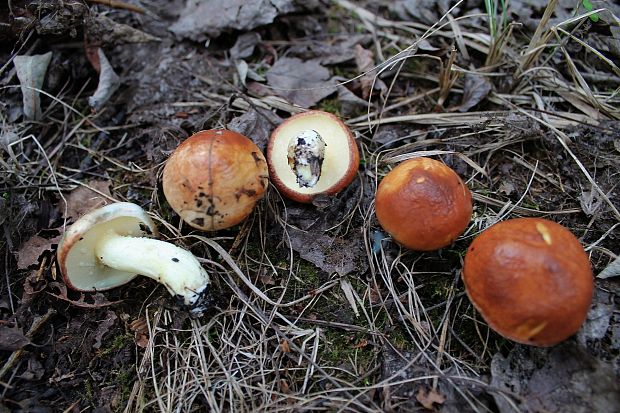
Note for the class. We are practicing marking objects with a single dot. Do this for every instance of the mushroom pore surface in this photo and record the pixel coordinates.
(423, 204)
(214, 179)
(530, 279)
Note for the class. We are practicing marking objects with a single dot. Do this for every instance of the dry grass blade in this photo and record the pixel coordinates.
(539, 39)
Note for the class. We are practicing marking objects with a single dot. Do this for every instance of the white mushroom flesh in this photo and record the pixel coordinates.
(306, 152)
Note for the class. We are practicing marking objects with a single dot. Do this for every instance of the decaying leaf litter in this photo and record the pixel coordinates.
(313, 306)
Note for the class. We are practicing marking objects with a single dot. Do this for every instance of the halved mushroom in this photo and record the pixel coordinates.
(214, 179)
(530, 279)
(110, 246)
(312, 153)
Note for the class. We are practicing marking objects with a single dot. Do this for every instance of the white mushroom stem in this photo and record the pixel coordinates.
(164, 262)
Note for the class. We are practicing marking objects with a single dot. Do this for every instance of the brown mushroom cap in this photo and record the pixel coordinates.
(423, 204)
(79, 265)
(530, 279)
(214, 179)
(341, 155)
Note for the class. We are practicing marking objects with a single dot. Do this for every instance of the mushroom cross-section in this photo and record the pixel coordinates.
(110, 246)
(530, 279)
(310, 154)
(423, 204)
(214, 179)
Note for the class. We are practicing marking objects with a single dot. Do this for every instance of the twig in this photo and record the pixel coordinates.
(115, 4)
(34, 328)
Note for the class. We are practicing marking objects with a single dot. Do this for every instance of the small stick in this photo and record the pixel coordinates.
(34, 328)
(119, 5)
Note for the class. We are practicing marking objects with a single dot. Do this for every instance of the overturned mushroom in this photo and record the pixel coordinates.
(110, 246)
(311, 154)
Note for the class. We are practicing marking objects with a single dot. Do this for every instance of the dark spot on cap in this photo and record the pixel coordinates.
(301, 141)
(81, 238)
(175, 260)
(199, 221)
(244, 191)
(211, 211)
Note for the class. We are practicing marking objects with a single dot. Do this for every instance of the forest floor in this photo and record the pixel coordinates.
(313, 306)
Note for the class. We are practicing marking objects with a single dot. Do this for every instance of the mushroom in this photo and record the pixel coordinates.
(530, 279)
(214, 179)
(110, 246)
(423, 204)
(310, 154)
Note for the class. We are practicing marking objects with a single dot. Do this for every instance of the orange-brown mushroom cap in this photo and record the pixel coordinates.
(214, 179)
(530, 279)
(339, 166)
(423, 204)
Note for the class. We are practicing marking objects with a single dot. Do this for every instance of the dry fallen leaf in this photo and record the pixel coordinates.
(32, 249)
(257, 124)
(364, 59)
(83, 199)
(141, 331)
(428, 399)
(350, 103)
(506, 187)
(31, 73)
(284, 346)
(244, 46)
(303, 83)
(105, 31)
(361, 344)
(109, 81)
(200, 19)
(330, 49)
(476, 88)
(340, 255)
(421, 10)
(612, 270)
(12, 339)
(103, 327)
